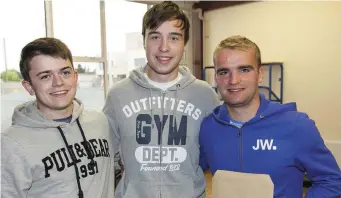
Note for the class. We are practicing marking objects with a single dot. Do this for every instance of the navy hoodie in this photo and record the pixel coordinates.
(278, 141)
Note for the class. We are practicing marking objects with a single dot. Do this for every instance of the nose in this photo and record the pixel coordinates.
(57, 80)
(164, 45)
(234, 78)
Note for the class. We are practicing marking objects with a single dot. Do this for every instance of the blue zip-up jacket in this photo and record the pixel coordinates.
(278, 141)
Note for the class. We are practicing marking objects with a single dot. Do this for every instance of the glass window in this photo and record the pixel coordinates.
(77, 23)
(27, 22)
(124, 38)
(90, 84)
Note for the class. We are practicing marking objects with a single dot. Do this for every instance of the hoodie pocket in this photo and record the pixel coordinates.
(178, 190)
(140, 189)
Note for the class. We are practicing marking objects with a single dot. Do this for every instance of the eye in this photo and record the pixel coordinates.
(245, 70)
(175, 38)
(44, 77)
(154, 37)
(66, 73)
(222, 73)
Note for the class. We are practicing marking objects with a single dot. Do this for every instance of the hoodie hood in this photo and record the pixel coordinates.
(28, 115)
(137, 75)
(265, 109)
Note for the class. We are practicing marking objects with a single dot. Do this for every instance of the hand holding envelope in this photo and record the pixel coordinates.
(228, 184)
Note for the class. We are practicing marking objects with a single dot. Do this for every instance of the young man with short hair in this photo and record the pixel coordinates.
(55, 148)
(156, 113)
(251, 134)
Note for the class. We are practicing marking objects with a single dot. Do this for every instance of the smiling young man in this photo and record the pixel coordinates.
(156, 113)
(55, 148)
(250, 134)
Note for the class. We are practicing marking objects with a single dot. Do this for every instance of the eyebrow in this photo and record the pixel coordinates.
(49, 71)
(176, 33)
(172, 33)
(239, 67)
(246, 67)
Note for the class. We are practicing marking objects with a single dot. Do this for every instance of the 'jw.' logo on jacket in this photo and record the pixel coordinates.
(266, 144)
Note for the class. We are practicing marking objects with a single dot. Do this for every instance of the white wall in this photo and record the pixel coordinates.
(306, 36)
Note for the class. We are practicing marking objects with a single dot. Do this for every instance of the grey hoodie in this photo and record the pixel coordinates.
(36, 164)
(157, 134)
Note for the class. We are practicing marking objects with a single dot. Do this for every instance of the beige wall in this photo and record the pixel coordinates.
(306, 36)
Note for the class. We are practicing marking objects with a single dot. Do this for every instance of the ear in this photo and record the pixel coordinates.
(76, 75)
(27, 85)
(215, 76)
(260, 74)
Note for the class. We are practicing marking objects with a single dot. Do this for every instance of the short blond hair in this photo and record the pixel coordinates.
(238, 43)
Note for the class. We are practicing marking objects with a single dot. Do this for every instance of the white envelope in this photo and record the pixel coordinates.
(229, 184)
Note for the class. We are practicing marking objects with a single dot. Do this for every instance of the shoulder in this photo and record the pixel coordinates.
(15, 132)
(207, 125)
(93, 116)
(283, 112)
(304, 127)
(303, 121)
(208, 120)
(297, 118)
(202, 84)
(120, 87)
(14, 138)
(205, 89)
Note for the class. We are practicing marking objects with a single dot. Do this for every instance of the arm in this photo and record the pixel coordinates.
(319, 163)
(16, 178)
(202, 160)
(213, 102)
(108, 110)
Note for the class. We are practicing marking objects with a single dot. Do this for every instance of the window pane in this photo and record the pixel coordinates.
(27, 22)
(124, 38)
(90, 84)
(77, 23)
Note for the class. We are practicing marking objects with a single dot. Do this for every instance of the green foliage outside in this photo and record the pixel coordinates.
(80, 69)
(12, 75)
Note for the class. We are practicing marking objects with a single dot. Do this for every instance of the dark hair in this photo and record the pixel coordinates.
(162, 12)
(42, 46)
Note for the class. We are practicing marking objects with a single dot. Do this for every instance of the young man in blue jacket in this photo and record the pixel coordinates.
(250, 134)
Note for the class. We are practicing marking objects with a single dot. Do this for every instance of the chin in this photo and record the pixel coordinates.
(164, 69)
(235, 103)
(62, 105)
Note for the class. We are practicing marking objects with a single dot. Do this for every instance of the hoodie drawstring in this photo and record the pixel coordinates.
(150, 103)
(176, 104)
(87, 146)
(88, 151)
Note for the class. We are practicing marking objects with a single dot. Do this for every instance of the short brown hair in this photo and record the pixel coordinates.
(42, 46)
(238, 43)
(162, 12)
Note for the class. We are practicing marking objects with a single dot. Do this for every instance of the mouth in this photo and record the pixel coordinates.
(235, 90)
(59, 93)
(163, 59)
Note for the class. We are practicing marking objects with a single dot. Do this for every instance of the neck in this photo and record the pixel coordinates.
(162, 78)
(56, 114)
(246, 112)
